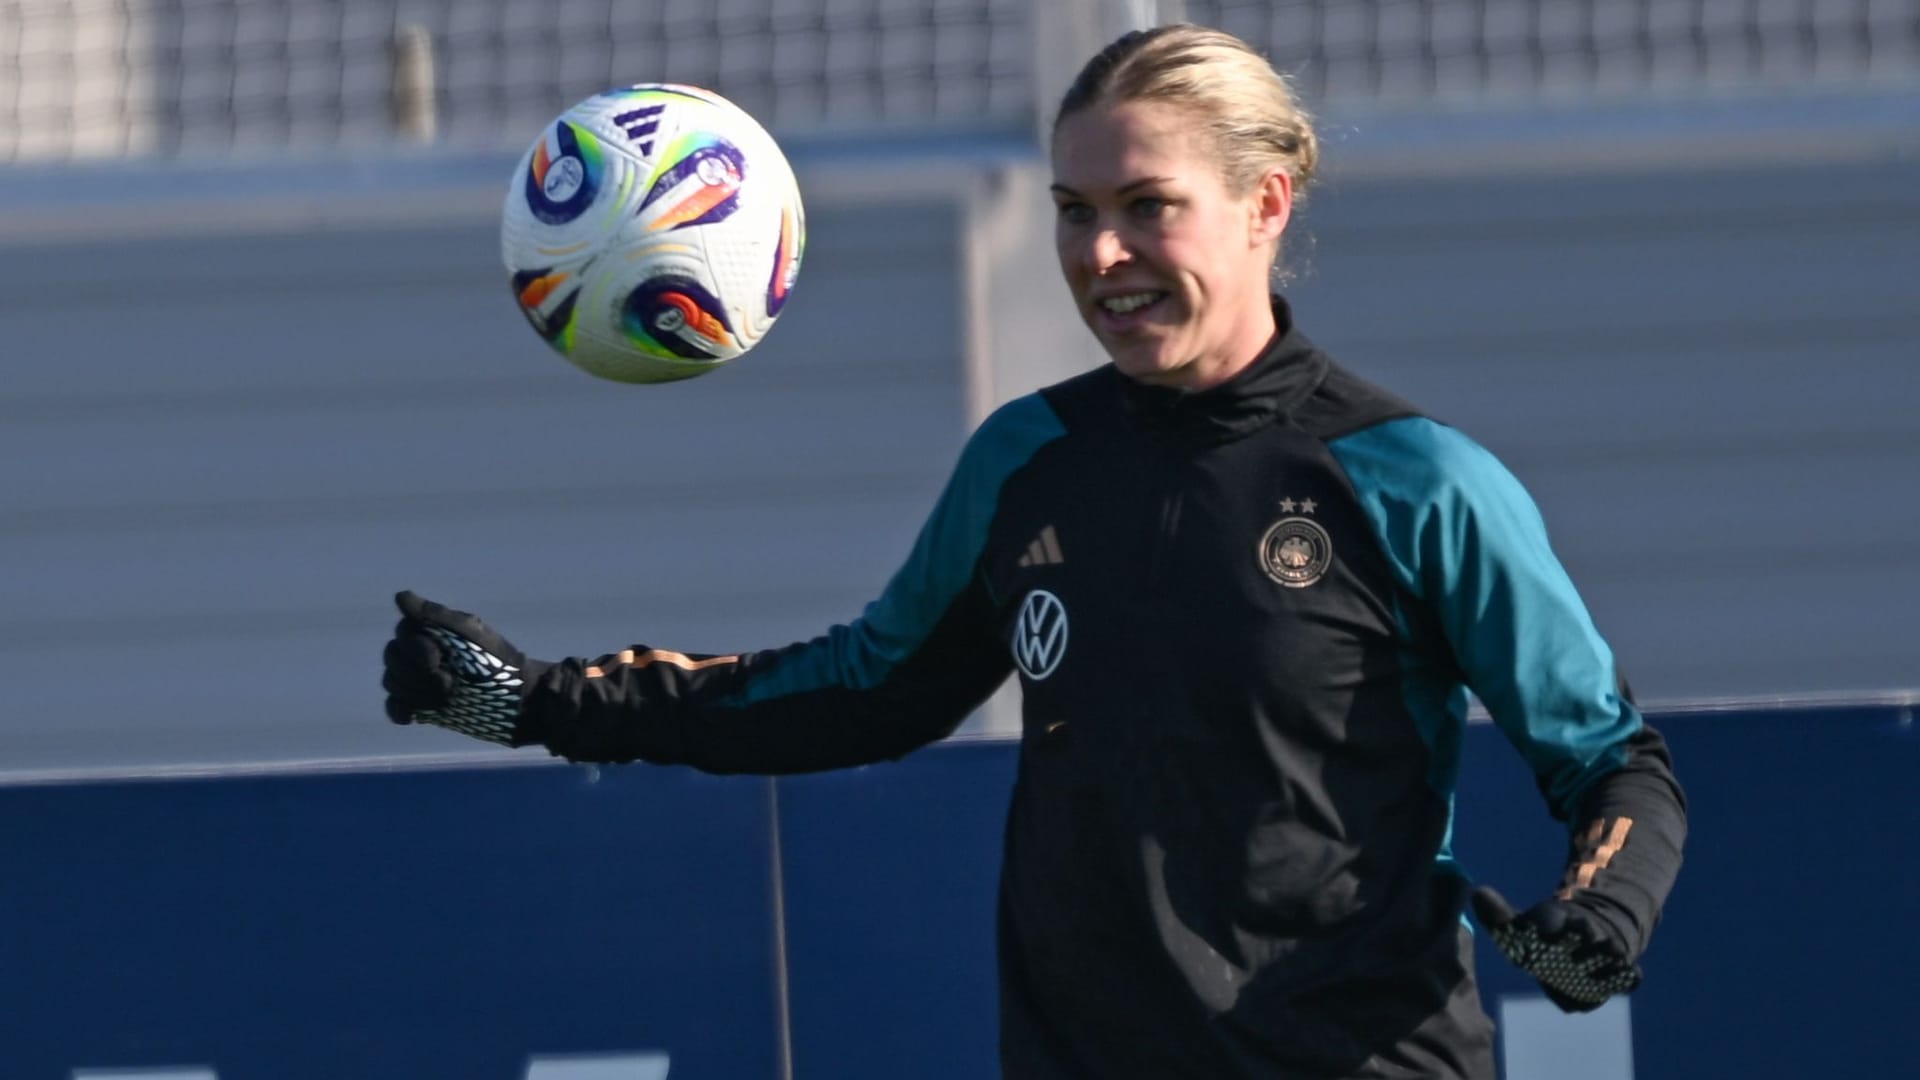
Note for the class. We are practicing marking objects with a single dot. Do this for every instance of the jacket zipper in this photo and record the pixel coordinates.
(1171, 498)
(1154, 595)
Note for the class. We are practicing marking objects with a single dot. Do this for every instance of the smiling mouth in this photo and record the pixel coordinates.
(1125, 305)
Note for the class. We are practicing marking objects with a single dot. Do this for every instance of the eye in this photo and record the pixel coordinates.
(1075, 213)
(1148, 206)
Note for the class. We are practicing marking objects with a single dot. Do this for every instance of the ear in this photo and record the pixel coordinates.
(1272, 207)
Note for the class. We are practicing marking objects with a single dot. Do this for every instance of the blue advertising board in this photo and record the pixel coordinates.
(554, 922)
(388, 925)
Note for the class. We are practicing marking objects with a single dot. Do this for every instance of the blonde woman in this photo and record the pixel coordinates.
(1246, 594)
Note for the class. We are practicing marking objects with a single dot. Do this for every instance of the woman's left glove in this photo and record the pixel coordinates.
(1571, 952)
(448, 668)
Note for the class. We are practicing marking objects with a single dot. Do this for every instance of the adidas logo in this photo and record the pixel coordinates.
(1044, 551)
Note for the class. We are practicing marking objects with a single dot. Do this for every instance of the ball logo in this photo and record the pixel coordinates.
(1040, 634)
(674, 317)
(564, 173)
(564, 178)
(698, 182)
(639, 125)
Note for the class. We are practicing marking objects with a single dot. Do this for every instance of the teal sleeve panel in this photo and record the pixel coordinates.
(859, 655)
(1466, 540)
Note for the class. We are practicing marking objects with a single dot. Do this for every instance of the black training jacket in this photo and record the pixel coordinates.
(1245, 622)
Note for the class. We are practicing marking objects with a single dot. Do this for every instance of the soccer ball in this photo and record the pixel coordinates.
(653, 233)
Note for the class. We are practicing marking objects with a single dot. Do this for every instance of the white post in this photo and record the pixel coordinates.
(415, 112)
(1067, 33)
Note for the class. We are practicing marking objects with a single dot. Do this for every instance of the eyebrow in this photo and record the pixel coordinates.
(1122, 190)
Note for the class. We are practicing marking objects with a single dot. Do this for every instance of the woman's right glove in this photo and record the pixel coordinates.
(449, 669)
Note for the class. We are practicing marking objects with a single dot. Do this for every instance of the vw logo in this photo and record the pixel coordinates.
(1040, 634)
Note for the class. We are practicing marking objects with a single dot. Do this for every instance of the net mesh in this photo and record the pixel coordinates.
(1407, 52)
(185, 76)
(172, 77)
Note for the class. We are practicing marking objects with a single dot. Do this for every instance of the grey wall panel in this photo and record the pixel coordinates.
(224, 453)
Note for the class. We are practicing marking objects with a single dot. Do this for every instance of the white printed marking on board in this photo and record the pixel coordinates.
(169, 1073)
(644, 1066)
(1542, 1043)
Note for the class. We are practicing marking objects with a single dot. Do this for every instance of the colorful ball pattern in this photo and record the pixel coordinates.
(653, 233)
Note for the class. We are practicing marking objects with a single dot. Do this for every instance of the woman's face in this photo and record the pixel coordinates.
(1168, 268)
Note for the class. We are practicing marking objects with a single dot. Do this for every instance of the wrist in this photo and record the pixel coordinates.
(1608, 919)
(530, 728)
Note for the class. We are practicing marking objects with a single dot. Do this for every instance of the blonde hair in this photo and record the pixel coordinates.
(1248, 108)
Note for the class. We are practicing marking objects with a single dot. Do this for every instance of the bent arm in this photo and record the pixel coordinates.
(1468, 542)
(1628, 834)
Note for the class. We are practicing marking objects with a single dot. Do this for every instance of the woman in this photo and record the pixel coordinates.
(1247, 594)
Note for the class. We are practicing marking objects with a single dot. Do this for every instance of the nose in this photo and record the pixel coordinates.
(1104, 250)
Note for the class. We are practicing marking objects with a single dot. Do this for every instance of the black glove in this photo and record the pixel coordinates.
(1575, 955)
(448, 668)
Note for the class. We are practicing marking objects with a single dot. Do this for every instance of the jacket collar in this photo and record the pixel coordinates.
(1288, 370)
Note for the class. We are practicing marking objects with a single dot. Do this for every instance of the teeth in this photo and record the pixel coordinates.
(1120, 305)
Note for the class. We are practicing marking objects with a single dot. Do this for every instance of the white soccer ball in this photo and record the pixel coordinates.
(653, 233)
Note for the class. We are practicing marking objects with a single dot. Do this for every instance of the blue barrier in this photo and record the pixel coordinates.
(466, 922)
(389, 925)
(892, 876)
(1789, 947)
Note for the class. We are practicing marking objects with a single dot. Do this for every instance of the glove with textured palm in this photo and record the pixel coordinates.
(450, 669)
(1573, 954)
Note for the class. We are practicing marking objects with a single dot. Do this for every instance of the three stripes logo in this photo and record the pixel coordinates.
(640, 125)
(1044, 551)
(1040, 634)
(1598, 845)
(644, 658)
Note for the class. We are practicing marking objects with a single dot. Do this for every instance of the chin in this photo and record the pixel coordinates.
(1142, 361)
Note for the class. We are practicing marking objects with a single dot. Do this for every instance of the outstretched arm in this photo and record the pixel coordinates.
(803, 708)
(910, 669)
